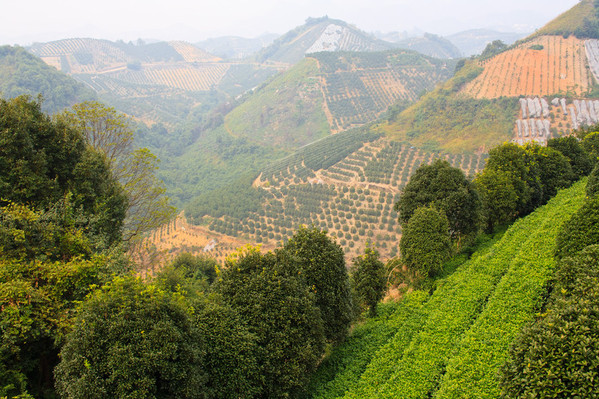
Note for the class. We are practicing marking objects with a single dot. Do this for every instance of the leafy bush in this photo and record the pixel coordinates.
(581, 230)
(132, 340)
(556, 356)
(426, 244)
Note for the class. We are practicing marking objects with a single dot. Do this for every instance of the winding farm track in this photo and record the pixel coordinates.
(544, 66)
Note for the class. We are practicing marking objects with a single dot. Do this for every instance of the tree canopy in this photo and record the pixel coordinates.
(111, 134)
(425, 243)
(368, 279)
(321, 263)
(132, 340)
(446, 188)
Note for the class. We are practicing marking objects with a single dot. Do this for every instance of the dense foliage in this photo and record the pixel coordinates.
(572, 148)
(556, 356)
(61, 216)
(368, 279)
(498, 197)
(45, 160)
(22, 73)
(132, 340)
(455, 343)
(425, 243)
(320, 262)
(281, 311)
(579, 231)
(445, 188)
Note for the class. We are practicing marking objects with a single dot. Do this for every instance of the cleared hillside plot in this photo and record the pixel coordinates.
(197, 77)
(346, 184)
(80, 55)
(359, 87)
(543, 66)
(466, 326)
(540, 120)
(191, 53)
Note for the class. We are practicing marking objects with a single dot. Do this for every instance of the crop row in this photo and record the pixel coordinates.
(396, 323)
(545, 66)
(519, 294)
(196, 78)
(471, 318)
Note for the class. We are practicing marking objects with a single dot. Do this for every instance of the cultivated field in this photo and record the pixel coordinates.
(351, 198)
(547, 65)
(540, 119)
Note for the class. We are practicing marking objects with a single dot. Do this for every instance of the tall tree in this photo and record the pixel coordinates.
(280, 311)
(110, 133)
(321, 263)
(580, 160)
(498, 197)
(132, 340)
(513, 160)
(368, 279)
(554, 169)
(447, 189)
(44, 160)
(425, 243)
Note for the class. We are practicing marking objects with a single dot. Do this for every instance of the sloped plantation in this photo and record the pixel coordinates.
(359, 87)
(466, 326)
(346, 183)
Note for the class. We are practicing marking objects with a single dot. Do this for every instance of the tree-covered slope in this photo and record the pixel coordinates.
(467, 324)
(21, 73)
(288, 112)
(431, 45)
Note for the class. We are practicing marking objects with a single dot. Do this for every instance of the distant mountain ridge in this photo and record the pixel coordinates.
(320, 34)
(234, 47)
(473, 41)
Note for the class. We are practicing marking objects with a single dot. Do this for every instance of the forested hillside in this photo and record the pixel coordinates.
(21, 73)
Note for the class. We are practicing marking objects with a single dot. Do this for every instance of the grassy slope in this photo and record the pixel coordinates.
(287, 112)
(472, 317)
(444, 120)
(22, 73)
(568, 21)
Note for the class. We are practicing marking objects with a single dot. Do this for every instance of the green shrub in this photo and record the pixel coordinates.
(580, 231)
(556, 356)
(426, 244)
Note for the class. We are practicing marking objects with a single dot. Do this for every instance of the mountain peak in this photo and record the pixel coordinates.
(320, 34)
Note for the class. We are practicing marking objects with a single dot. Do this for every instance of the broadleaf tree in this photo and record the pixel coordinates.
(135, 168)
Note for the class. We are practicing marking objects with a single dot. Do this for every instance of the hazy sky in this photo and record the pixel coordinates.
(25, 21)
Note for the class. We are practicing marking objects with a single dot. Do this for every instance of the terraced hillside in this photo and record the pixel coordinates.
(452, 343)
(316, 35)
(358, 87)
(543, 66)
(158, 82)
(346, 183)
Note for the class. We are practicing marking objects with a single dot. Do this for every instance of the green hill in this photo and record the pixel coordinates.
(21, 73)
(288, 112)
(444, 120)
(581, 20)
(453, 343)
